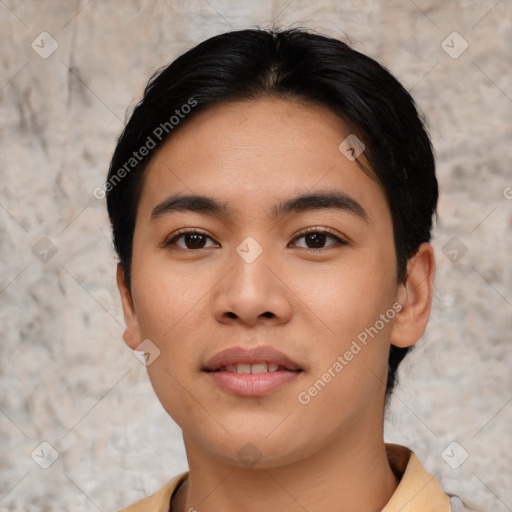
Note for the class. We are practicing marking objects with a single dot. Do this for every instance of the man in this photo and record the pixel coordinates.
(271, 200)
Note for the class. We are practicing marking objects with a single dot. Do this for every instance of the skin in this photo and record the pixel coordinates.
(309, 303)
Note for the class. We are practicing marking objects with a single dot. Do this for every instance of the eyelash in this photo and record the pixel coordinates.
(338, 241)
(323, 231)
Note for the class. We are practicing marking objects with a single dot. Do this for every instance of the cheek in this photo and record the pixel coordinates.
(348, 295)
(168, 311)
(348, 300)
(170, 306)
(164, 297)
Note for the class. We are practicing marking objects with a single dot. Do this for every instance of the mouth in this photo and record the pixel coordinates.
(254, 368)
(256, 372)
(260, 359)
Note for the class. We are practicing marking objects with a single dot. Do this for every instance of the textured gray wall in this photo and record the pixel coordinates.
(66, 376)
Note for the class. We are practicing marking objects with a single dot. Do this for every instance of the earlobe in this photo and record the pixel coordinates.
(131, 334)
(415, 296)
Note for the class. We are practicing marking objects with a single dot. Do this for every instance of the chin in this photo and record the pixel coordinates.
(251, 449)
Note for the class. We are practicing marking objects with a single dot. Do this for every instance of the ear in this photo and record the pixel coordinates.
(415, 296)
(131, 334)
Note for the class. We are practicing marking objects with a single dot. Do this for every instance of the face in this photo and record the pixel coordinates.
(285, 268)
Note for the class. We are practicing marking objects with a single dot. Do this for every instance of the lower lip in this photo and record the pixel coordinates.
(252, 384)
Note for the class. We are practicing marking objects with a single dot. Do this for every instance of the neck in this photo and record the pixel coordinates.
(350, 476)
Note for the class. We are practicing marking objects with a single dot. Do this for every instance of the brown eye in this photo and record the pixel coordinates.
(194, 241)
(318, 240)
(190, 240)
(315, 240)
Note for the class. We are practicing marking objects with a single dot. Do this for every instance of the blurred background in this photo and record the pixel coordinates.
(80, 427)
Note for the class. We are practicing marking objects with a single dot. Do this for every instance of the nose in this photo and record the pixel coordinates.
(252, 292)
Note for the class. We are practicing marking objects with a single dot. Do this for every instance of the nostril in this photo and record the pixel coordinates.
(268, 314)
(230, 314)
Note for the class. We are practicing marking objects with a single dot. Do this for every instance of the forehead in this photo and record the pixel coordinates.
(252, 154)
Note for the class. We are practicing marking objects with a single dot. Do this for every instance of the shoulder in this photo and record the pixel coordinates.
(418, 489)
(160, 500)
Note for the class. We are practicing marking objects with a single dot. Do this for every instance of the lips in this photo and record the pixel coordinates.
(256, 360)
(256, 372)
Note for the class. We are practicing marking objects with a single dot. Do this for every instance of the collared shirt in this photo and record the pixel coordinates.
(417, 490)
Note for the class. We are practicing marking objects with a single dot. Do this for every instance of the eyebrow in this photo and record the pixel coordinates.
(319, 201)
(302, 203)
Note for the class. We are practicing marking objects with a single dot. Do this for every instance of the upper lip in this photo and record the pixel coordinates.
(239, 355)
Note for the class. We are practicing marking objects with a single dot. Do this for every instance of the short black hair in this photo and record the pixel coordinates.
(294, 64)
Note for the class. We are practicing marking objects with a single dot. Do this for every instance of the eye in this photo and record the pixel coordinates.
(190, 239)
(317, 239)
